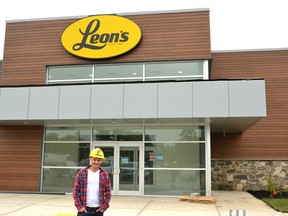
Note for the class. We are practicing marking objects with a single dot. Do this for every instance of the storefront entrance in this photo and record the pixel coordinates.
(152, 160)
(124, 165)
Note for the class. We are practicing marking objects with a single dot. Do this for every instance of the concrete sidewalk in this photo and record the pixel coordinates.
(17, 204)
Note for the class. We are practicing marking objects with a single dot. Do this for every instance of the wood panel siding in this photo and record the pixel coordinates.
(20, 156)
(0, 72)
(31, 46)
(268, 139)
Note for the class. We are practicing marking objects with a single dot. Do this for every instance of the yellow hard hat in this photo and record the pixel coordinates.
(97, 153)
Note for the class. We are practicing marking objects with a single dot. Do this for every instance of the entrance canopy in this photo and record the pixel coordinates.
(231, 106)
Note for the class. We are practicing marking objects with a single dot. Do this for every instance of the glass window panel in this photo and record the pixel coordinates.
(117, 134)
(67, 134)
(129, 168)
(186, 133)
(174, 182)
(108, 164)
(126, 72)
(134, 71)
(178, 69)
(58, 179)
(175, 155)
(70, 72)
(66, 154)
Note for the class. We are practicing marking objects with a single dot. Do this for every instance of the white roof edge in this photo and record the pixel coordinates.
(165, 11)
(250, 50)
(120, 14)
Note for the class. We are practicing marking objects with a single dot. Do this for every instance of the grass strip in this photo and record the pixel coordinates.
(279, 204)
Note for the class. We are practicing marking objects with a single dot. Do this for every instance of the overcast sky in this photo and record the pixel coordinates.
(235, 24)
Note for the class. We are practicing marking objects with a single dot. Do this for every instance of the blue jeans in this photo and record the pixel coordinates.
(90, 213)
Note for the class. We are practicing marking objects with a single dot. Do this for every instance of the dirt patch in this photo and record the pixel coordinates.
(265, 194)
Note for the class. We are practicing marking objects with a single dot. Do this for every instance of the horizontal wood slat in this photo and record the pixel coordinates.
(20, 158)
(268, 139)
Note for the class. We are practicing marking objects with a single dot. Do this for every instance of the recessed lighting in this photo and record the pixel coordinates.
(180, 72)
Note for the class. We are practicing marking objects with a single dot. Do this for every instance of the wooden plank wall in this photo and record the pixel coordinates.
(20, 158)
(0, 72)
(268, 139)
(31, 46)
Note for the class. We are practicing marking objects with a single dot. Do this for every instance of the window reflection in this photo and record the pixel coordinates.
(66, 154)
(57, 156)
(67, 134)
(176, 69)
(188, 133)
(117, 134)
(73, 72)
(134, 71)
(175, 155)
(174, 182)
(58, 180)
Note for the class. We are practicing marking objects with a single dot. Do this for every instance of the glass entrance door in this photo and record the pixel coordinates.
(123, 165)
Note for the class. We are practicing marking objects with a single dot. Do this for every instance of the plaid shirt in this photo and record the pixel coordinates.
(80, 189)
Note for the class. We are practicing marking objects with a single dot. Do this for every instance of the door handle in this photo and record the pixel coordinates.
(116, 170)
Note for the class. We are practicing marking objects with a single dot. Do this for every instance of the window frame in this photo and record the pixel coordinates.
(144, 78)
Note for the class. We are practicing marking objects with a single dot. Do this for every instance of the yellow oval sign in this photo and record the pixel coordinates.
(102, 36)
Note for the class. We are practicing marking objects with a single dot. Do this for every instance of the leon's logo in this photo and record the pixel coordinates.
(101, 36)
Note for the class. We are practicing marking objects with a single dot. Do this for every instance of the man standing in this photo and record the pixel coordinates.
(92, 187)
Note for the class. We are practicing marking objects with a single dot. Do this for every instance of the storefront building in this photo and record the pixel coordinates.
(169, 113)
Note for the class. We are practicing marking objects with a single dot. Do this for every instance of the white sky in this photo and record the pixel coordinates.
(235, 24)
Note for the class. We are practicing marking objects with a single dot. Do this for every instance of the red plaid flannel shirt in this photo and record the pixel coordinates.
(80, 189)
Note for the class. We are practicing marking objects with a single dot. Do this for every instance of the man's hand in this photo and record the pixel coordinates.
(99, 210)
(82, 210)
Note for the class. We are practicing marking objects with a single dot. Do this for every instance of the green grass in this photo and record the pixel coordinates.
(279, 204)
